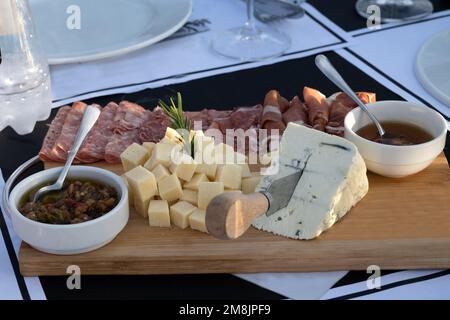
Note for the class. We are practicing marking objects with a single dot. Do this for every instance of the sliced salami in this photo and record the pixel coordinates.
(54, 131)
(93, 149)
(154, 126)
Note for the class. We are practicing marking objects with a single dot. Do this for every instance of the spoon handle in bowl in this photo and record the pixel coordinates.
(90, 116)
(331, 73)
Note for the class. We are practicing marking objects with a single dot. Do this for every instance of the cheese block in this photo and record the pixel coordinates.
(245, 170)
(232, 190)
(141, 206)
(162, 154)
(190, 196)
(224, 153)
(158, 213)
(196, 179)
(197, 220)
(180, 212)
(170, 188)
(133, 156)
(207, 191)
(208, 169)
(160, 172)
(230, 175)
(333, 181)
(249, 184)
(130, 191)
(142, 183)
(184, 167)
(149, 146)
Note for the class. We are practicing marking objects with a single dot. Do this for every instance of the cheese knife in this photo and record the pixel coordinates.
(230, 214)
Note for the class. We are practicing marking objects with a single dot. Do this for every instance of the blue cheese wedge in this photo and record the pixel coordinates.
(333, 181)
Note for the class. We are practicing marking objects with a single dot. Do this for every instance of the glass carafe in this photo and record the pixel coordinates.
(25, 94)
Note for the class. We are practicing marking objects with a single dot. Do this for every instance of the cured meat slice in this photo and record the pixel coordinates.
(70, 128)
(52, 135)
(296, 113)
(240, 118)
(318, 108)
(271, 114)
(154, 126)
(342, 97)
(128, 120)
(199, 116)
(335, 124)
(93, 149)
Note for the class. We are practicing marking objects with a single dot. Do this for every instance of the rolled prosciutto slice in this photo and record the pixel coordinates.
(366, 97)
(93, 149)
(54, 131)
(318, 108)
(64, 142)
(335, 124)
(296, 113)
(271, 115)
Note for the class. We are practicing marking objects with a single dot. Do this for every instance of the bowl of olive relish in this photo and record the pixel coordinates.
(87, 213)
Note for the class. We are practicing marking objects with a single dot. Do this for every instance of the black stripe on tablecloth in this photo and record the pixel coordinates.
(182, 75)
(393, 285)
(401, 25)
(398, 84)
(13, 258)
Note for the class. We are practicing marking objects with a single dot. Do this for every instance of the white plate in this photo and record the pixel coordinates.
(433, 66)
(107, 27)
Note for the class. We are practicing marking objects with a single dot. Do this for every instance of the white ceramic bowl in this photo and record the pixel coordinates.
(397, 161)
(73, 238)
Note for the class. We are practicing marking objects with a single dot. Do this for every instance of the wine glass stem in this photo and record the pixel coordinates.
(250, 24)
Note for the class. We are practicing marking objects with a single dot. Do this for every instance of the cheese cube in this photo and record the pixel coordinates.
(232, 190)
(134, 156)
(173, 135)
(197, 220)
(149, 146)
(158, 213)
(224, 153)
(207, 191)
(162, 154)
(142, 182)
(196, 179)
(208, 169)
(160, 172)
(180, 212)
(170, 188)
(190, 196)
(249, 184)
(230, 175)
(141, 206)
(246, 173)
(204, 149)
(184, 168)
(130, 191)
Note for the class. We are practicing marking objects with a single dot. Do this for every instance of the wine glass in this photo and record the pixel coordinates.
(251, 42)
(396, 10)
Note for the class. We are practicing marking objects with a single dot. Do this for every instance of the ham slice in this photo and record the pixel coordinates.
(154, 126)
(366, 97)
(271, 115)
(318, 108)
(53, 133)
(93, 149)
(296, 113)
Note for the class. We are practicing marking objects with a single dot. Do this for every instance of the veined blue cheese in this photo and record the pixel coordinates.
(334, 179)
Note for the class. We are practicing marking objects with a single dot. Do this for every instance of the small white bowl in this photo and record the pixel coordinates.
(397, 161)
(71, 238)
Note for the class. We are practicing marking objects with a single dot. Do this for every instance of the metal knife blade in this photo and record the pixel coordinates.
(280, 191)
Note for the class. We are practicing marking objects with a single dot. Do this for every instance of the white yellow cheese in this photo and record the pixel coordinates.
(160, 172)
(170, 188)
(194, 182)
(142, 182)
(158, 213)
(184, 167)
(162, 154)
(130, 191)
(149, 146)
(249, 184)
(333, 180)
(141, 206)
(180, 212)
(208, 169)
(197, 220)
(207, 191)
(134, 156)
(190, 196)
(230, 175)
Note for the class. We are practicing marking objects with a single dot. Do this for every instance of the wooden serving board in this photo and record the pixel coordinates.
(400, 224)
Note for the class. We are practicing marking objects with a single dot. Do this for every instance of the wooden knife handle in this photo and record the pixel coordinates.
(230, 214)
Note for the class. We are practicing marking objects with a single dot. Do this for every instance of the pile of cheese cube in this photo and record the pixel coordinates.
(171, 188)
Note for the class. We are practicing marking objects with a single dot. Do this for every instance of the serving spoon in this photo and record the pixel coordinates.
(90, 116)
(331, 73)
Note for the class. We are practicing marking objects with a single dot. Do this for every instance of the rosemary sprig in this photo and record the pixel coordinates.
(176, 114)
(179, 121)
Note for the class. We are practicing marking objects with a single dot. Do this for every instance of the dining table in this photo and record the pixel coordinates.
(379, 59)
